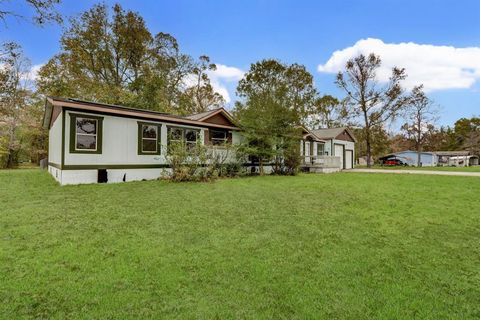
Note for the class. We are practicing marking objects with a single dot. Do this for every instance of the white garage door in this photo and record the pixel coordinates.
(339, 153)
(348, 159)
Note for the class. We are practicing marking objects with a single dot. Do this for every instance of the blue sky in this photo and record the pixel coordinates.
(237, 33)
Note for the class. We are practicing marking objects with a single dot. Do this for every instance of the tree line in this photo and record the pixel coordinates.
(108, 54)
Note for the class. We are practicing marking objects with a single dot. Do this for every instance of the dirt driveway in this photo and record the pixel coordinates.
(428, 172)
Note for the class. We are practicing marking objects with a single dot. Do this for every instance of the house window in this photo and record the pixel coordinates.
(218, 138)
(148, 138)
(175, 135)
(85, 133)
(186, 137)
(191, 138)
(320, 149)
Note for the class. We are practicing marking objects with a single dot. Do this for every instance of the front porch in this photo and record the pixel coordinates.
(321, 164)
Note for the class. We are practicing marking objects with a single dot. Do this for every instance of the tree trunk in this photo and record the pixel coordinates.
(369, 147)
(11, 159)
(419, 155)
(369, 154)
(260, 166)
(12, 154)
(419, 141)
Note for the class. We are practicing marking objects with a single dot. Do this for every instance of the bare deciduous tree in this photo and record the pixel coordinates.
(45, 11)
(367, 99)
(420, 116)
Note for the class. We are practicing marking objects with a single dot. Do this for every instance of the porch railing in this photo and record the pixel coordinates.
(322, 161)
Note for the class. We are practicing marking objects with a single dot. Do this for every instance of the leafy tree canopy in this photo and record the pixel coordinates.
(276, 101)
(112, 57)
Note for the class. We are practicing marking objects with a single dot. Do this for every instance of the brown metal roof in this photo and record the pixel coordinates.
(126, 111)
(201, 115)
(332, 133)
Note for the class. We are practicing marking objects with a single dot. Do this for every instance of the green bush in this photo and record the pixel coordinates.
(201, 163)
(288, 159)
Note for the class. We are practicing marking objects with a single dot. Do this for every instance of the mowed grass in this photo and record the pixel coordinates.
(338, 246)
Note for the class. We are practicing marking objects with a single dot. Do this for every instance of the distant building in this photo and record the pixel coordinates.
(408, 157)
(457, 158)
(434, 158)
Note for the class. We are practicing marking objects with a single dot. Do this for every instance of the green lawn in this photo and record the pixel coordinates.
(461, 169)
(337, 246)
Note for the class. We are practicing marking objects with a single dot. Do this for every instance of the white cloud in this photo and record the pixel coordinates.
(436, 67)
(219, 79)
(30, 76)
(34, 71)
(221, 89)
(227, 73)
(223, 75)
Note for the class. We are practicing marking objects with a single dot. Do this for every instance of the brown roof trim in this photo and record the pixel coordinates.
(220, 110)
(204, 116)
(131, 112)
(307, 133)
(314, 137)
(200, 115)
(333, 133)
(351, 134)
(47, 115)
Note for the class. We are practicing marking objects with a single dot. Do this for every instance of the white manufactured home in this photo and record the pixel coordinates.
(93, 142)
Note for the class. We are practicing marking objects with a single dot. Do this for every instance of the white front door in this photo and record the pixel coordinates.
(307, 152)
(339, 153)
(348, 159)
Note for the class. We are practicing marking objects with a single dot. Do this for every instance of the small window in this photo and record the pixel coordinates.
(148, 138)
(187, 137)
(320, 149)
(85, 133)
(176, 134)
(191, 138)
(218, 138)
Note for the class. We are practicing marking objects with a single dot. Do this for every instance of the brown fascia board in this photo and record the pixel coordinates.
(207, 114)
(313, 136)
(220, 110)
(47, 115)
(124, 111)
(351, 134)
(310, 133)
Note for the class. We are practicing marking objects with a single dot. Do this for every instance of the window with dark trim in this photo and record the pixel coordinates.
(191, 138)
(148, 138)
(85, 133)
(218, 137)
(185, 136)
